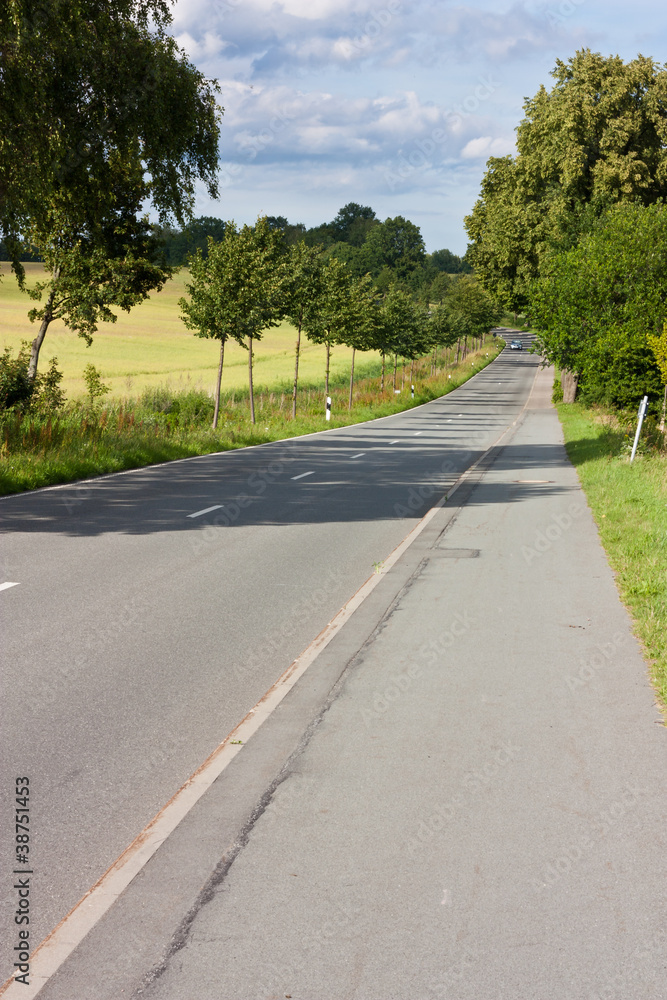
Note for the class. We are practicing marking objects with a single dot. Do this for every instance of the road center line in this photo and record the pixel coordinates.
(395, 442)
(360, 455)
(208, 510)
(6, 586)
(303, 475)
(417, 433)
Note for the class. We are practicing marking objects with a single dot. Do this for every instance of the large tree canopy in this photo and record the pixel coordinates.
(597, 304)
(90, 91)
(100, 114)
(396, 243)
(597, 138)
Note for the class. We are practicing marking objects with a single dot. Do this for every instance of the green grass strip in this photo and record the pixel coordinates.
(80, 442)
(629, 504)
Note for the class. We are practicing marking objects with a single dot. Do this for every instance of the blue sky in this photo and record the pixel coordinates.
(389, 103)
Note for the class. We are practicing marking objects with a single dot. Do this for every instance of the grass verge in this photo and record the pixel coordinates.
(629, 503)
(81, 440)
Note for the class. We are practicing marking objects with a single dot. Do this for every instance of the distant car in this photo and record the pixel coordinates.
(516, 345)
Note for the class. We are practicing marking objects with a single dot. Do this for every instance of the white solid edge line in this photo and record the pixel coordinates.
(72, 929)
(6, 586)
(235, 451)
(207, 510)
(302, 476)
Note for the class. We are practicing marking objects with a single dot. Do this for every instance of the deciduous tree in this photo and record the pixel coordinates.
(596, 305)
(597, 138)
(302, 285)
(100, 113)
(235, 292)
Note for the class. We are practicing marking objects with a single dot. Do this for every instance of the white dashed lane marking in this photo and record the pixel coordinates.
(360, 455)
(200, 513)
(303, 475)
(395, 441)
(6, 586)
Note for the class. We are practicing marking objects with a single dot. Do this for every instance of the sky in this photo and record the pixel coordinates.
(389, 103)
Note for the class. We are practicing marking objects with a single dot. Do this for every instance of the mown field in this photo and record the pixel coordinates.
(629, 503)
(150, 347)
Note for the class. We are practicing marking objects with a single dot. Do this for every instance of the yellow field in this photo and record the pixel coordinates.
(150, 346)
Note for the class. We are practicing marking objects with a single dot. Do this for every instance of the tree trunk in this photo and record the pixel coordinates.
(326, 374)
(43, 327)
(465, 347)
(349, 405)
(382, 373)
(664, 411)
(403, 375)
(216, 411)
(252, 396)
(412, 372)
(395, 369)
(569, 381)
(458, 351)
(296, 365)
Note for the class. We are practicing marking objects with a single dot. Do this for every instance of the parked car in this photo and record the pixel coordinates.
(516, 345)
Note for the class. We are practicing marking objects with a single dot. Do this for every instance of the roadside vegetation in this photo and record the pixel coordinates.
(629, 503)
(578, 245)
(41, 446)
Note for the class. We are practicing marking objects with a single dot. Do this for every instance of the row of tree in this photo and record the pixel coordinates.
(251, 279)
(572, 230)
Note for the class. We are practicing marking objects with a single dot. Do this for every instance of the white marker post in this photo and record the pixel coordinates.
(643, 407)
(413, 392)
(328, 407)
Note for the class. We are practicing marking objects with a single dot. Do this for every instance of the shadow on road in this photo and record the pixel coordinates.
(385, 469)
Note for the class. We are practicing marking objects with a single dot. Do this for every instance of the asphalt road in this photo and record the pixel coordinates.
(145, 624)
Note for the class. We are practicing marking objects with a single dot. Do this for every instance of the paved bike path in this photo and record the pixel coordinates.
(477, 809)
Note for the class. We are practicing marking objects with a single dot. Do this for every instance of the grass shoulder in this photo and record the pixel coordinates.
(81, 441)
(629, 504)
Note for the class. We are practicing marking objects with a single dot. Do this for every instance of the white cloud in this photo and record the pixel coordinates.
(326, 99)
(278, 124)
(485, 146)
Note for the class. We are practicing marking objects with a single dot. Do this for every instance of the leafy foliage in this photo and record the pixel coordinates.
(94, 384)
(596, 139)
(93, 95)
(658, 344)
(18, 390)
(598, 303)
(236, 289)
